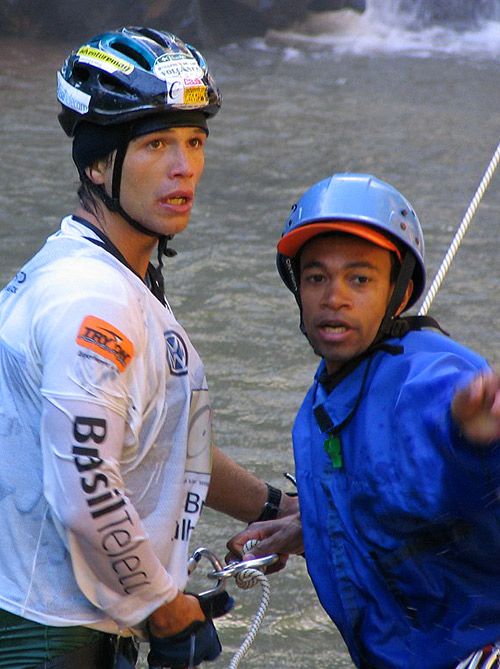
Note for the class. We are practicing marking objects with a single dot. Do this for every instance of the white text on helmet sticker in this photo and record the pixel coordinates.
(71, 97)
(166, 67)
(104, 61)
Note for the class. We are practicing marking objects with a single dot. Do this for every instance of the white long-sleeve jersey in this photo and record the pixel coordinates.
(105, 446)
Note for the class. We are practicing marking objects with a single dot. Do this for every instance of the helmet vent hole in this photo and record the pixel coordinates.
(155, 36)
(402, 226)
(110, 84)
(80, 73)
(404, 212)
(134, 55)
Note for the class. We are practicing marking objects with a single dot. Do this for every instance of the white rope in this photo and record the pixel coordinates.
(246, 579)
(254, 577)
(472, 662)
(475, 660)
(466, 221)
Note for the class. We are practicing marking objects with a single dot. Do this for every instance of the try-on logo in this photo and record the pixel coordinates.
(106, 340)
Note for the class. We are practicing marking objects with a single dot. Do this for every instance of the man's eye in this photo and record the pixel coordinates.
(155, 143)
(360, 279)
(314, 278)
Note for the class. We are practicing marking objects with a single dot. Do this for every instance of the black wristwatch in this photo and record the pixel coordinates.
(271, 507)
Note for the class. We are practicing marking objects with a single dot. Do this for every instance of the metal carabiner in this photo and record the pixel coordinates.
(234, 568)
(193, 562)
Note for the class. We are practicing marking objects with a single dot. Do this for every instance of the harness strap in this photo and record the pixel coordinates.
(109, 652)
(401, 326)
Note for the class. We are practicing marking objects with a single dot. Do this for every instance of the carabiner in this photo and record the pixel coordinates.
(216, 564)
(234, 568)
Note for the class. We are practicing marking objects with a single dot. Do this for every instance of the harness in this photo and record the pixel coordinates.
(109, 651)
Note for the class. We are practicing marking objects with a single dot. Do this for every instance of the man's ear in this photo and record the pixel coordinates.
(97, 171)
(407, 295)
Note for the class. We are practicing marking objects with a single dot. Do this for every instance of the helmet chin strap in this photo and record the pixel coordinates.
(113, 204)
(403, 279)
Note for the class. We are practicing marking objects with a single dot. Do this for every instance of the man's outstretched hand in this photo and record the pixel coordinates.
(476, 409)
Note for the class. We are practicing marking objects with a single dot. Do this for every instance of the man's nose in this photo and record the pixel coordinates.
(335, 294)
(180, 163)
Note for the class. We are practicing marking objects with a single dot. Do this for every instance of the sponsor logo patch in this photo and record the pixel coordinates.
(71, 97)
(166, 67)
(17, 281)
(196, 95)
(177, 356)
(106, 340)
(105, 61)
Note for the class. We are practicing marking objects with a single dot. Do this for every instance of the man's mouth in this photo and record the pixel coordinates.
(176, 201)
(179, 201)
(334, 329)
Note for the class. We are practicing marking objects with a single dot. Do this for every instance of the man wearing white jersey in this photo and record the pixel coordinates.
(107, 456)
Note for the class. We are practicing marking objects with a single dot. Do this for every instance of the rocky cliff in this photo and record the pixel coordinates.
(201, 21)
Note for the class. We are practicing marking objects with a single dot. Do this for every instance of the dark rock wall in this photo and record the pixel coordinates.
(210, 22)
(202, 21)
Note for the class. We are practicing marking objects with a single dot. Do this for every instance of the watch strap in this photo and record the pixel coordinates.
(271, 507)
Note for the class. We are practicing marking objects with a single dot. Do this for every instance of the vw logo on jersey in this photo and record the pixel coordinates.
(177, 355)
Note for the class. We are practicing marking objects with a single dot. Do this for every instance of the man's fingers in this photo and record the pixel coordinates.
(476, 408)
(475, 397)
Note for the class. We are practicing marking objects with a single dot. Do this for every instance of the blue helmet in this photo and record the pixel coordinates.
(361, 205)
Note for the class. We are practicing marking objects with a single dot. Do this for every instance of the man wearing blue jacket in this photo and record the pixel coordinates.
(396, 444)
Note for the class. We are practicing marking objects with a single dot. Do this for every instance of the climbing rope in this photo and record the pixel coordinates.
(487, 658)
(466, 221)
(247, 575)
(246, 579)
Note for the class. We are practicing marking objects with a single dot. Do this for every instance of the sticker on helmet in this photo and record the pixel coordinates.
(104, 61)
(196, 96)
(166, 67)
(106, 340)
(71, 97)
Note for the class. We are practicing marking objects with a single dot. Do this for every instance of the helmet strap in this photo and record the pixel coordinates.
(403, 279)
(113, 204)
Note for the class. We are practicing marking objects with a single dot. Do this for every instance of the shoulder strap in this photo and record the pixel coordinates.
(109, 652)
(398, 327)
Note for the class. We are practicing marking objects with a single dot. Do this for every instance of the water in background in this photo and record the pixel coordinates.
(361, 93)
(403, 27)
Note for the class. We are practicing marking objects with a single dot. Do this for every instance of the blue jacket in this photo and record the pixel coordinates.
(402, 524)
